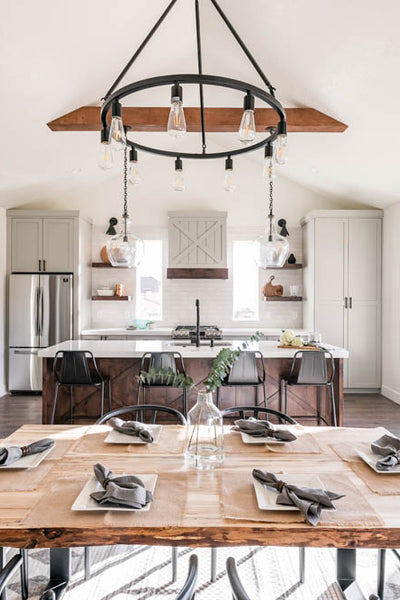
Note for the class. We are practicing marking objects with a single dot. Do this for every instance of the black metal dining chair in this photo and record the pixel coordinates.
(238, 591)
(161, 360)
(138, 409)
(7, 572)
(76, 368)
(247, 371)
(309, 369)
(24, 571)
(189, 588)
(244, 412)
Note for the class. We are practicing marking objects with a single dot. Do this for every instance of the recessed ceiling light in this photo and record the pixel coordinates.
(76, 171)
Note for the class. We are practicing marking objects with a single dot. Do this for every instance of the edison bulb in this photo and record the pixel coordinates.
(176, 120)
(268, 171)
(117, 137)
(178, 182)
(105, 159)
(247, 129)
(229, 185)
(134, 176)
(281, 149)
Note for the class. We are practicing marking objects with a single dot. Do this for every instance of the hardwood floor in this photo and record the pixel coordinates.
(360, 410)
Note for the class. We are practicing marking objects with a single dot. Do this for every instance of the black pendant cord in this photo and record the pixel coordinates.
(271, 208)
(125, 215)
(200, 68)
(140, 48)
(244, 48)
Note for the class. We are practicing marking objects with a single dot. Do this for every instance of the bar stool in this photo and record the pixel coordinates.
(238, 591)
(312, 372)
(23, 553)
(78, 368)
(7, 572)
(245, 373)
(161, 360)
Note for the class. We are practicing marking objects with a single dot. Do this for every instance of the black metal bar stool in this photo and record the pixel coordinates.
(312, 372)
(75, 368)
(7, 572)
(161, 360)
(245, 372)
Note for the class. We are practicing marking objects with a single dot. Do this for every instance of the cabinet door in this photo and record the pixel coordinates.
(330, 279)
(364, 369)
(26, 244)
(58, 245)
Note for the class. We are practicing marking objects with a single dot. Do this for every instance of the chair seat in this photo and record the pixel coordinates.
(293, 381)
(243, 383)
(96, 381)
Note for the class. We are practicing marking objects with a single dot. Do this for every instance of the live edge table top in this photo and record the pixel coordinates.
(190, 507)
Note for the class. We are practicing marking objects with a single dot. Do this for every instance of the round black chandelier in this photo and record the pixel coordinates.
(114, 137)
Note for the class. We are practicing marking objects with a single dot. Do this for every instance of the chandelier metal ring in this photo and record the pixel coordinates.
(198, 79)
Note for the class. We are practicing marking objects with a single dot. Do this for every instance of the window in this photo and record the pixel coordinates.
(149, 282)
(245, 282)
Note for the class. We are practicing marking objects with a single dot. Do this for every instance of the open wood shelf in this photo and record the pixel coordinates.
(283, 299)
(103, 265)
(197, 273)
(118, 298)
(286, 266)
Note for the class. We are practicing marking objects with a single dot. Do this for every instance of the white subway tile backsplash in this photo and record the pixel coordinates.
(179, 294)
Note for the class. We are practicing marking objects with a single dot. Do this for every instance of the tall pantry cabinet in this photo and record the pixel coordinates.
(342, 287)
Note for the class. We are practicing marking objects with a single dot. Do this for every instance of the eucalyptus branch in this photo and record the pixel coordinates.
(221, 367)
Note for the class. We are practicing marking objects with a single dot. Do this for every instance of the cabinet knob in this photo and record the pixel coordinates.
(44, 265)
(345, 303)
(40, 265)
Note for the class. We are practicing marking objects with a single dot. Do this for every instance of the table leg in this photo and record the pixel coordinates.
(60, 564)
(346, 574)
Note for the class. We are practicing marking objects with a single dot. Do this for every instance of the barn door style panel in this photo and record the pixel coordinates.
(197, 245)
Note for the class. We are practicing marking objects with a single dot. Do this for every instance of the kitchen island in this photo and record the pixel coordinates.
(120, 360)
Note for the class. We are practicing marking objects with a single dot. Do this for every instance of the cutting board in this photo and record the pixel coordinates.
(301, 348)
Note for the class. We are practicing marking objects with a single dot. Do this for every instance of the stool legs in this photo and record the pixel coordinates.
(24, 574)
(319, 405)
(102, 399)
(109, 396)
(174, 561)
(334, 418)
(302, 565)
(286, 397)
(185, 402)
(218, 396)
(265, 394)
(70, 404)
(213, 564)
(53, 414)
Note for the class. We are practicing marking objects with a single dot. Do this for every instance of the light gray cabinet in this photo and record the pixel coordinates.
(27, 244)
(342, 288)
(42, 244)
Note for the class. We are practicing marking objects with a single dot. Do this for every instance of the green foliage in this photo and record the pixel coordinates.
(220, 369)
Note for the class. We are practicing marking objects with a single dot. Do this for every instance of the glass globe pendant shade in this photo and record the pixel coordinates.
(271, 249)
(125, 250)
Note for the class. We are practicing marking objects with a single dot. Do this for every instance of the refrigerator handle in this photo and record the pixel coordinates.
(37, 293)
(41, 311)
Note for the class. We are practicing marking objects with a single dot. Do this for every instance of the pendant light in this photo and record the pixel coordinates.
(176, 121)
(178, 182)
(105, 160)
(117, 137)
(229, 185)
(125, 249)
(134, 174)
(247, 129)
(271, 249)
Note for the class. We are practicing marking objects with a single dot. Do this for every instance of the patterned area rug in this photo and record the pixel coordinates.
(144, 573)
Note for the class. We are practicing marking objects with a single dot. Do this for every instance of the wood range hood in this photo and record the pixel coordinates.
(197, 245)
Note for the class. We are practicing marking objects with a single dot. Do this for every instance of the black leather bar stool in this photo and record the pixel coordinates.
(309, 369)
(161, 360)
(245, 372)
(75, 368)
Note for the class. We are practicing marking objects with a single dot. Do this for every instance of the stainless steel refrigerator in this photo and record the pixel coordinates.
(40, 315)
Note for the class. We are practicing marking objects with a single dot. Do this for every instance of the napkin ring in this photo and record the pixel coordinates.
(24, 450)
(106, 482)
(279, 485)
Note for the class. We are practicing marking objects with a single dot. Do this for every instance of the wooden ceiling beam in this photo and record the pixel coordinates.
(221, 120)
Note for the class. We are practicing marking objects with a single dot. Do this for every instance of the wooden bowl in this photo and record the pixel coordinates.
(104, 255)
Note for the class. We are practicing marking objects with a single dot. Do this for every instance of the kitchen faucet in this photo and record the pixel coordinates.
(197, 323)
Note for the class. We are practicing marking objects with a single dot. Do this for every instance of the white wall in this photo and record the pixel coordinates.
(391, 304)
(3, 245)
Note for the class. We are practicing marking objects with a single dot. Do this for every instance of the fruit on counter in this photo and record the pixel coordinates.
(288, 338)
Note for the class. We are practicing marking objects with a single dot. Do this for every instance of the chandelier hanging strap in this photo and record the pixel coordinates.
(140, 48)
(200, 67)
(244, 48)
(125, 215)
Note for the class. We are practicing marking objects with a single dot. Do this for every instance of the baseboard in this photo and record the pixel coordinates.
(362, 390)
(391, 394)
(3, 391)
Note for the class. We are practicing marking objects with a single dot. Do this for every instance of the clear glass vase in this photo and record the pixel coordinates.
(205, 434)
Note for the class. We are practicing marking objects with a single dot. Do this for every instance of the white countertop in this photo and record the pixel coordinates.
(135, 349)
(167, 331)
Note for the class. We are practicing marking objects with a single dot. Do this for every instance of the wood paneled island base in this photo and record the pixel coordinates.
(124, 387)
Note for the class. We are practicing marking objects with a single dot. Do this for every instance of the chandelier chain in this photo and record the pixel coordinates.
(271, 206)
(125, 215)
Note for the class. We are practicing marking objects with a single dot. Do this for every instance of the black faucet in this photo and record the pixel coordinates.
(198, 323)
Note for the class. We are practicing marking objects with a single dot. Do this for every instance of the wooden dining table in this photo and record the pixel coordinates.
(198, 508)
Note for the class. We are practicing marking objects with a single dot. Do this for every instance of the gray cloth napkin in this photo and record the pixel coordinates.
(263, 428)
(310, 501)
(388, 447)
(124, 490)
(10, 455)
(133, 428)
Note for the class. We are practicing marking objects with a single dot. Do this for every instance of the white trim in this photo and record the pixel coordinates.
(346, 213)
(49, 214)
(391, 394)
(361, 390)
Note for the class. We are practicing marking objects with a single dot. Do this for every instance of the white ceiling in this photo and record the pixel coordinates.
(339, 56)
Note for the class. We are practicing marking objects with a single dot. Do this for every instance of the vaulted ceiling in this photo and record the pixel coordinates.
(341, 57)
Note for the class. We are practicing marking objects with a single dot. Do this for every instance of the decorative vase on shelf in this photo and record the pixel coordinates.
(292, 259)
(205, 434)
